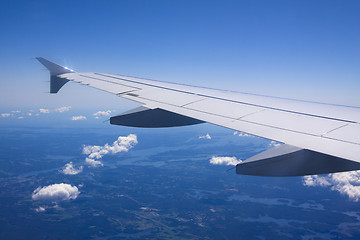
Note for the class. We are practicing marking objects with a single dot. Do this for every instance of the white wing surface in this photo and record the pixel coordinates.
(319, 138)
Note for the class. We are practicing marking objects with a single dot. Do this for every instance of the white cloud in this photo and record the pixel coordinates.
(122, 144)
(94, 163)
(315, 180)
(56, 192)
(69, 169)
(21, 117)
(4, 115)
(29, 114)
(40, 209)
(274, 144)
(62, 109)
(102, 113)
(346, 183)
(225, 161)
(207, 136)
(16, 111)
(241, 134)
(43, 110)
(76, 118)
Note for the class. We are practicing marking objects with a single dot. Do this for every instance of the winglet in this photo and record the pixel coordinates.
(55, 82)
(54, 68)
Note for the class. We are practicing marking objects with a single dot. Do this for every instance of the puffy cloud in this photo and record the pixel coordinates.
(315, 180)
(94, 163)
(21, 117)
(225, 161)
(76, 118)
(346, 183)
(43, 110)
(274, 144)
(56, 192)
(15, 113)
(207, 136)
(40, 209)
(4, 115)
(102, 113)
(62, 109)
(122, 144)
(69, 169)
(241, 134)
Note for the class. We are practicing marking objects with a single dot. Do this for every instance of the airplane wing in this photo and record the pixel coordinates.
(318, 138)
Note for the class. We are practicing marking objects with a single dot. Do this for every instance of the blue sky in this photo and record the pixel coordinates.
(299, 49)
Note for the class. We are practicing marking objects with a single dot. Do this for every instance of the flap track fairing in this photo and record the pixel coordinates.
(152, 118)
(287, 160)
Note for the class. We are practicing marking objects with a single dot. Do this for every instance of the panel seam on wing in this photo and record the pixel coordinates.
(102, 80)
(323, 135)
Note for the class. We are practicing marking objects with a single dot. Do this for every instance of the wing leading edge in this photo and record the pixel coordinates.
(319, 138)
